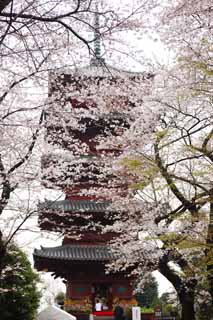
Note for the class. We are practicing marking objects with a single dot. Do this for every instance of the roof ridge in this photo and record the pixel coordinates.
(76, 252)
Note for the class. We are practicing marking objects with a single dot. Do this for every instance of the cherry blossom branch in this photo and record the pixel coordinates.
(185, 136)
(30, 214)
(191, 182)
(187, 204)
(9, 25)
(184, 159)
(15, 83)
(30, 148)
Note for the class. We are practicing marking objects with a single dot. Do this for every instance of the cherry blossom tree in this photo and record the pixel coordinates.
(171, 228)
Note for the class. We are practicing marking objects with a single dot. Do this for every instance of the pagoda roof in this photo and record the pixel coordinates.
(76, 253)
(76, 205)
(99, 68)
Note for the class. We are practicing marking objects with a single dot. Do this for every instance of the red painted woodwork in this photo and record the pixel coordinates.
(122, 290)
(103, 313)
(148, 316)
(90, 238)
(80, 290)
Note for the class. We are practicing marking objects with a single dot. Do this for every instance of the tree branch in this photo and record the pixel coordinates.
(191, 182)
(187, 204)
(4, 4)
(30, 149)
(6, 187)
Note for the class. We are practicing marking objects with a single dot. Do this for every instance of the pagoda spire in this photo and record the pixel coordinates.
(97, 59)
(97, 43)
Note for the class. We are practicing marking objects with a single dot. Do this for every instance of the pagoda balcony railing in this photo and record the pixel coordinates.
(64, 169)
(72, 214)
(68, 157)
(79, 126)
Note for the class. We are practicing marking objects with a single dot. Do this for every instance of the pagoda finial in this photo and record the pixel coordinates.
(97, 43)
(97, 37)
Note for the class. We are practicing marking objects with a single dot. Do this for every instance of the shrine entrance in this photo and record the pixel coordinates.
(102, 293)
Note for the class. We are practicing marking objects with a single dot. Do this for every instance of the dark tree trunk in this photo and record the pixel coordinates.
(185, 289)
(4, 4)
(2, 253)
(187, 299)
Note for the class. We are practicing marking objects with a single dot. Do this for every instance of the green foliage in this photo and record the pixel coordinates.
(156, 302)
(60, 297)
(144, 167)
(147, 310)
(132, 164)
(128, 313)
(161, 134)
(205, 68)
(169, 305)
(204, 306)
(19, 298)
(169, 309)
(149, 297)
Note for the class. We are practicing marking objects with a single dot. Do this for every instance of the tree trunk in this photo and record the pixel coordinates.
(2, 253)
(187, 298)
(4, 4)
(185, 289)
(209, 250)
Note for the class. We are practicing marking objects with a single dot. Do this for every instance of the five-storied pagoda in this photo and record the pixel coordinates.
(76, 168)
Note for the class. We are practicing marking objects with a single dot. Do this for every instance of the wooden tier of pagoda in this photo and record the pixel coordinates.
(81, 261)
